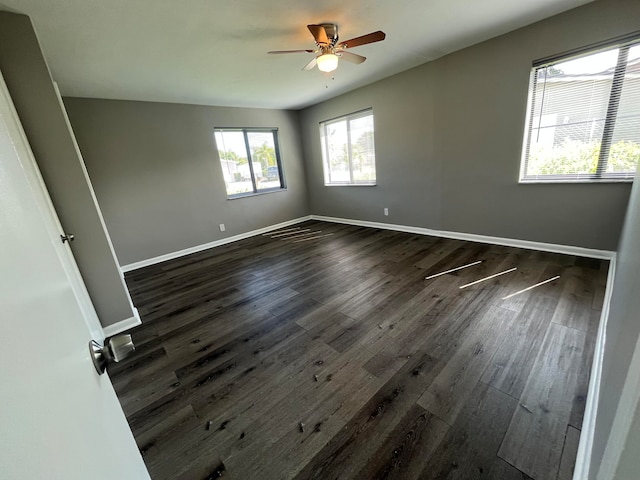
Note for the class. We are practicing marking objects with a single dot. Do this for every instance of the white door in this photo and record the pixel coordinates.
(59, 419)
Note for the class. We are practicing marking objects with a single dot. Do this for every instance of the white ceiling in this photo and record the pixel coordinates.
(213, 52)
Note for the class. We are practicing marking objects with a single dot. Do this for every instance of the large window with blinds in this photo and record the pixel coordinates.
(348, 149)
(583, 120)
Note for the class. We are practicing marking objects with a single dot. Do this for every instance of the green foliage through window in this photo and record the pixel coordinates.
(573, 157)
(250, 160)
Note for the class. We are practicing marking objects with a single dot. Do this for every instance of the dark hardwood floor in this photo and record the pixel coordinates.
(328, 355)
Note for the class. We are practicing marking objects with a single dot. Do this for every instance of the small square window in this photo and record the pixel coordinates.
(250, 160)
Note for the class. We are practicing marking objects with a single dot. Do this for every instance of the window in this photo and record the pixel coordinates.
(584, 117)
(347, 150)
(250, 160)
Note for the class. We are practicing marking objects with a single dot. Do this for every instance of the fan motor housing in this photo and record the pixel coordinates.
(331, 30)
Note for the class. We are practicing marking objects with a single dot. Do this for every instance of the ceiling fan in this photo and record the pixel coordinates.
(329, 51)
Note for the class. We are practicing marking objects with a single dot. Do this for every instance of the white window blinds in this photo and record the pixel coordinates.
(584, 117)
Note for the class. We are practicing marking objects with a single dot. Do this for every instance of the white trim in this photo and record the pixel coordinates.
(585, 447)
(488, 278)
(122, 325)
(92, 192)
(623, 419)
(472, 237)
(452, 270)
(531, 287)
(205, 246)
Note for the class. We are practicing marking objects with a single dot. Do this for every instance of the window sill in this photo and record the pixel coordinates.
(255, 194)
(349, 184)
(583, 180)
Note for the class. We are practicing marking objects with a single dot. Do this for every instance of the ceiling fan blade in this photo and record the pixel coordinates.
(352, 57)
(319, 33)
(363, 40)
(310, 65)
(278, 52)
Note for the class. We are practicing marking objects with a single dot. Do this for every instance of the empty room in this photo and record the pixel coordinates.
(296, 240)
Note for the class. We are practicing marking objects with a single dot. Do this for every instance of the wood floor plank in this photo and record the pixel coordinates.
(363, 304)
(574, 312)
(449, 392)
(319, 406)
(334, 303)
(530, 272)
(452, 319)
(242, 343)
(164, 429)
(231, 414)
(198, 333)
(240, 353)
(569, 453)
(408, 448)
(510, 367)
(352, 447)
(503, 471)
(439, 250)
(533, 443)
(389, 359)
(469, 449)
(155, 387)
(404, 314)
(582, 387)
(459, 257)
(253, 393)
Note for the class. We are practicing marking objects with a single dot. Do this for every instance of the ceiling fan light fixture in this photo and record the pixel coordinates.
(327, 62)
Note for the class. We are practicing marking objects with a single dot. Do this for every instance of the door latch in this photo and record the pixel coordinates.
(67, 237)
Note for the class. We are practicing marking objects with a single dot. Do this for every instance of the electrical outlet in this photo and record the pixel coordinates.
(222, 227)
(386, 211)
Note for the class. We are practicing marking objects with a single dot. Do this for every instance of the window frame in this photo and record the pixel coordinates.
(624, 44)
(245, 132)
(326, 167)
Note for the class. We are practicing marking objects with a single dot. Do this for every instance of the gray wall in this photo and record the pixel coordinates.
(629, 463)
(448, 142)
(156, 173)
(31, 87)
(623, 328)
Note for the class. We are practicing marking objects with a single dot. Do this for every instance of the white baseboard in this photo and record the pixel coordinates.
(122, 325)
(216, 243)
(585, 447)
(472, 237)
